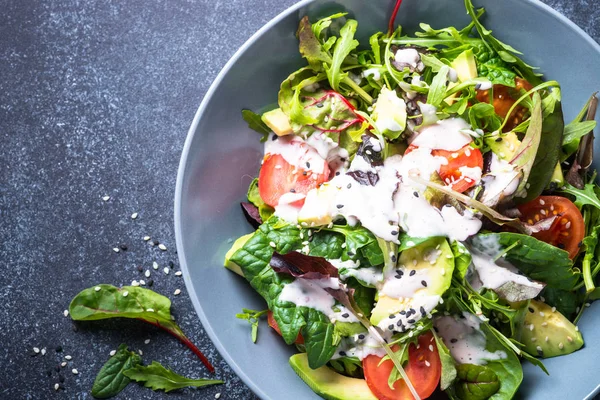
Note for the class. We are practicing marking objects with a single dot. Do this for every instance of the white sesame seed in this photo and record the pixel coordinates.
(561, 345)
(146, 238)
(135, 283)
(543, 212)
(542, 299)
(125, 293)
(166, 270)
(146, 341)
(68, 358)
(541, 313)
(544, 324)
(539, 348)
(546, 339)
(74, 371)
(106, 198)
(142, 282)
(154, 265)
(430, 347)
(272, 244)
(531, 327)
(533, 339)
(116, 249)
(141, 352)
(410, 243)
(36, 350)
(97, 288)
(587, 304)
(112, 352)
(63, 364)
(553, 309)
(177, 292)
(343, 245)
(218, 395)
(542, 202)
(134, 215)
(56, 386)
(162, 247)
(147, 273)
(569, 338)
(427, 363)
(43, 351)
(576, 328)
(443, 271)
(178, 273)
(149, 309)
(66, 313)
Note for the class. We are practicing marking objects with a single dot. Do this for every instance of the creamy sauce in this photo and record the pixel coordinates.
(464, 339)
(311, 293)
(385, 121)
(370, 276)
(502, 180)
(408, 56)
(296, 152)
(361, 346)
(444, 134)
(374, 72)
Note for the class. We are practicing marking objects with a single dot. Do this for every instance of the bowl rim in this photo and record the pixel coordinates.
(214, 337)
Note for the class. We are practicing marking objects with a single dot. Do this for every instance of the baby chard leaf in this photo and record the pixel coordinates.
(106, 301)
(157, 377)
(310, 47)
(111, 378)
(526, 153)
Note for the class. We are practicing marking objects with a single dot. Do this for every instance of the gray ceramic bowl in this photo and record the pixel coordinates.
(221, 155)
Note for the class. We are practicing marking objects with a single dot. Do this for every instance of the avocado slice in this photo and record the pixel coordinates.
(504, 146)
(552, 334)
(278, 121)
(329, 384)
(315, 211)
(465, 66)
(440, 273)
(389, 113)
(238, 244)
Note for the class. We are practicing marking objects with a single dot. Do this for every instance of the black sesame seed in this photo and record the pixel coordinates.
(391, 327)
(340, 206)
(274, 137)
(343, 353)
(171, 264)
(123, 247)
(350, 254)
(337, 173)
(412, 272)
(392, 316)
(394, 233)
(400, 324)
(292, 190)
(424, 283)
(579, 244)
(416, 194)
(345, 315)
(155, 242)
(343, 159)
(304, 173)
(402, 312)
(319, 105)
(422, 309)
(393, 258)
(397, 276)
(411, 321)
(531, 310)
(499, 139)
(453, 340)
(349, 186)
(150, 282)
(400, 272)
(307, 165)
(561, 245)
(361, 336)
(58, 349)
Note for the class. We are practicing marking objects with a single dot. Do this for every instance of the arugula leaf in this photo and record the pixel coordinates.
(106, 301)
(586, 196)
(344, 45)
(531, 256)
(476, 382)
(449, 372)
(255, 123)
(264, 209)
(253, 317)
(576, 129)
(527, 152)
(111, 379)
(403, 359)
(437, 89)
(483, 116)
(319, 28)
(157, 377)
(375, 47)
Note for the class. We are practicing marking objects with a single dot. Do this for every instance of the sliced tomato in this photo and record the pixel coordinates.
(423, 369)
(278, 177)
(567, 230)
(450, 172)
(504, 98)
(273, 324)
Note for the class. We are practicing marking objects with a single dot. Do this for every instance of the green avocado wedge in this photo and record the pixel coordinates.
(329, 384)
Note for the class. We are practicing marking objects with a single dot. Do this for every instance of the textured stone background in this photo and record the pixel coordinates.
(95, 99)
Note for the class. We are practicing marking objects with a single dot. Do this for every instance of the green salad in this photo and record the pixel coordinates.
(425, 219)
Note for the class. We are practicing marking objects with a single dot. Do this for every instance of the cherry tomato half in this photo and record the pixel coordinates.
(273, 324)
(504, 98)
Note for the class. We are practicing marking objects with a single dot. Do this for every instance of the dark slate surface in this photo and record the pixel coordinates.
(95, 99)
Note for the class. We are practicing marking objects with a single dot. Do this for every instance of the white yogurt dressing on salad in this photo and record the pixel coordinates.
(374, 72)
(463, 337)
(311, 293)
(502, 180)
(371, 276)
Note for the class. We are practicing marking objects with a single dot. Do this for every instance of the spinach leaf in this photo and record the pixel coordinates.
(476, 382)
(344, 45)
(157, 377)
(483, 116)
(586, 196)
(106, 301)
(449, 371)
(462, 260)
(264, 209)
(328, 244)
(496, 70)
(255, 123)
(111, 379)
(363, 296)
(360, 240)
(253, 317)
(536, 259)
(566, 302)
(254, 259)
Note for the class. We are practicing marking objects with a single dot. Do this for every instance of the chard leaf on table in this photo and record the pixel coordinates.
(255, 123)
(531, 256)
(106, 301)
(111, 379)
(157, 377)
